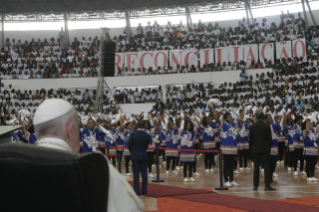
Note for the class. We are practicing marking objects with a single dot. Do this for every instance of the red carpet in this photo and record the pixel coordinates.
(244, 203)
(155, 190)
(166, 204)
(311, 201)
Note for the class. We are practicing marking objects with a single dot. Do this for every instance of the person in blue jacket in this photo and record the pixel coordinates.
(310, 136)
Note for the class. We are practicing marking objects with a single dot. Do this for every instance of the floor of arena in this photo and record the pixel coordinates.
(293, 192)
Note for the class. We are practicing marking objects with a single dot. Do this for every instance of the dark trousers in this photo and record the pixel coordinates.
(113, 161)
(168, 162)
(190, 165)
(235, 162)
(209, 160)
(140, 166)
(281, 147)
(150, 161)
(261, 158)
(127, 161)
(162, 153)
(119, 158)
(289, 158)
(311, 162)
(240, 156)
(272, 167)
(228, 167)
(298, 156)
(194, 165)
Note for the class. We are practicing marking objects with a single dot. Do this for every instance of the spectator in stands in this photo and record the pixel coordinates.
(243, 76)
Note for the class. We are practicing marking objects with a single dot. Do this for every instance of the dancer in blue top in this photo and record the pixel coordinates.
(310, 136)
(228, 145)
(298, 145)
(275, 127)
(289, 142)
(154, 132)
(171, 138)
(243, 144)
(127, 130)
(108, 138)
(207, 128)
(91, 137)
(187, 135)
(281, 137)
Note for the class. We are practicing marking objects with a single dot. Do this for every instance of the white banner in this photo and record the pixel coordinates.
(131, 60)
(299, 49)
(235, 53)
(250, 53)
(221, 55)
(206, 57)
(119, 61)
(176, 58)
(266, 51)
(160, 58)
(190, 58)
(145, 60)
(283, 50)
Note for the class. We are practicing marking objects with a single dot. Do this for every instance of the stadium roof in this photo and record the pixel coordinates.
(35, 6)
(60, 6)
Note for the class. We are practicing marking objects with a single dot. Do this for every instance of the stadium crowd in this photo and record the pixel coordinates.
(201, 117)
(48, 58)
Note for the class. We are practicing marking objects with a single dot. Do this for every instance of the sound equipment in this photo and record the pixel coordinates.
(108, 59)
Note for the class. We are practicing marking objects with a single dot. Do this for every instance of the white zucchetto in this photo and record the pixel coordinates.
(51, 109)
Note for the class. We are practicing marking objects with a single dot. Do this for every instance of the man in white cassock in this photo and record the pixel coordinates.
(57, 126)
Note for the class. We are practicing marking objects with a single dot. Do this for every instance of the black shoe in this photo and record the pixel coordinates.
(273, 182)
(255, 188)
(269, 189)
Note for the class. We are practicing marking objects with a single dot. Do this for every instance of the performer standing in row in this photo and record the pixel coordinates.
(228, 145)
(310, 136)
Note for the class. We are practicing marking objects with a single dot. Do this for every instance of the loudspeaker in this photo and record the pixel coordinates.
(108, 56)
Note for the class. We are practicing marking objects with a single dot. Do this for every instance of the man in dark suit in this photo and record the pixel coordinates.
(138, 144)
(260, 141)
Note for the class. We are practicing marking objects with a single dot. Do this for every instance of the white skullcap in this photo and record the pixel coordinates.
(51, 109)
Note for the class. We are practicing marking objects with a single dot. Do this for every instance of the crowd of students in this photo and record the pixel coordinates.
(38, 59)
(138, 95)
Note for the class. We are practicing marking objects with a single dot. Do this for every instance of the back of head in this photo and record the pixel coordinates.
(56, 118)
(140, 124)
(260, 115)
